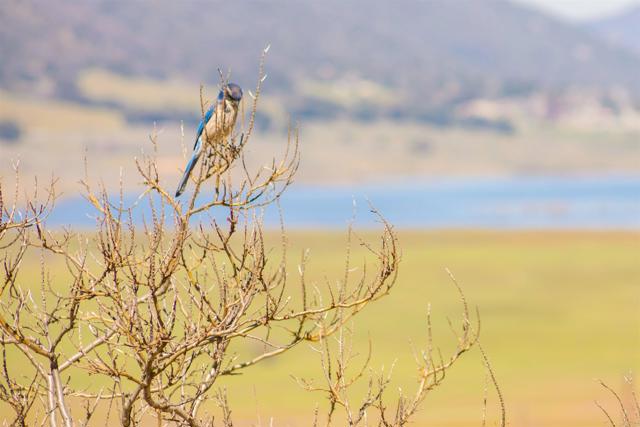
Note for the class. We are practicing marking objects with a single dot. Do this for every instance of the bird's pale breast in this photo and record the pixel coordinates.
(221, 123)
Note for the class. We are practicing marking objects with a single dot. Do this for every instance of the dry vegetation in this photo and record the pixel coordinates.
(151, 313)
(628, 408)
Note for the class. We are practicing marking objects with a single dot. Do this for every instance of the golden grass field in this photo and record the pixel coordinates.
(559, 310)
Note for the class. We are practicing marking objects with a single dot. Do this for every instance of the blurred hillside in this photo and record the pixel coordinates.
(622, 29)
(381, 89)
(436, 52)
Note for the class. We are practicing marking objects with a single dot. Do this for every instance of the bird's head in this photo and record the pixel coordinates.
(230, 92)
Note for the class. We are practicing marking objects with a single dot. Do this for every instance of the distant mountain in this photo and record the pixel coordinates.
(430, 52)
(622, 29)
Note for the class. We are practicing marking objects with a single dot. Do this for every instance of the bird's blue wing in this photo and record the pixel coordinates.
(207, 116)
(197, 147)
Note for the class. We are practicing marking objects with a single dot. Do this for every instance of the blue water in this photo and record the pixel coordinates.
(560, 203)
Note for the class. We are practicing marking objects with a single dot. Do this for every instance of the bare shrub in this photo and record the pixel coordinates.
(149, 312)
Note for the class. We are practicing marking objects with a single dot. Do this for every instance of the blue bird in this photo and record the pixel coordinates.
(217, 124)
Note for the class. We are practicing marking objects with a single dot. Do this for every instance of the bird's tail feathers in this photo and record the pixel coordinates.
(189, 168)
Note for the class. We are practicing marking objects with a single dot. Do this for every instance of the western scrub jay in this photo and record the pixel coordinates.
(217, 124)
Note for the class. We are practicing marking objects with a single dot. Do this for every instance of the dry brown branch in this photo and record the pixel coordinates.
(494, 382)
(337, 358)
